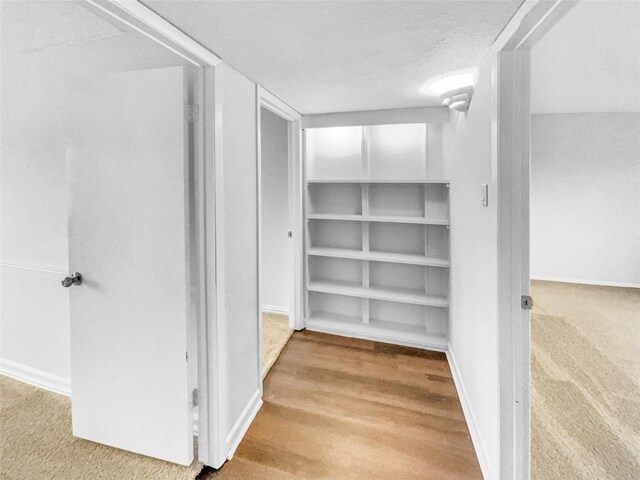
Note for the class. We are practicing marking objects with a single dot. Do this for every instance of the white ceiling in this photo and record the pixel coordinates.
(52, 50)
(68, 41)
(589, 61)
(331, 56)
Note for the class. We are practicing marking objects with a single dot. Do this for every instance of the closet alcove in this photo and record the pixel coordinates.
(377, 237)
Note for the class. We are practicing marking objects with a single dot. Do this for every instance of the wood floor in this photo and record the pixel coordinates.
(339, 408)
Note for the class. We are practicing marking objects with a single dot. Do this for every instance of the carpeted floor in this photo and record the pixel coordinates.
(275, 335)
(585, 382)
(36, 440)
(36, 443)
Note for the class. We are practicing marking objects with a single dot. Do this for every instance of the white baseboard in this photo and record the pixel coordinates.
(485, 464)
(242, 425)
(35, 377)
(587, 282)
(275, 309)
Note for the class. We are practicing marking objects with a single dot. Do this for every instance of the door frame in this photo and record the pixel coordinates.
(294, 160)
(208, 160)
(511, 131)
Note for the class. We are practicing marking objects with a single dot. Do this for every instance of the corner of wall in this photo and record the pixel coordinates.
(478, 444)
(242, 424)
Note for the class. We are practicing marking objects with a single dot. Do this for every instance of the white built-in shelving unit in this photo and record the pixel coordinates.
(377, 237)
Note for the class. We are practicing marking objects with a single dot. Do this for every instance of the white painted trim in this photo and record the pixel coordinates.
(583, 281)
(275, 309)
(296, 188)
(36, 268)
(243, 423)
(217, 347)
(377, 117)
(270, 101)
(373, 337)
(35, 377)
(467, 408)
(145, 21)
(510, 162)
(259, 224)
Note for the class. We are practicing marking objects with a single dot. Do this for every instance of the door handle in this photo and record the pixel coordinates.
(75, 279)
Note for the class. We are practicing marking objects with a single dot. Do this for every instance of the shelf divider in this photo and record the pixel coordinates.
(378, 218)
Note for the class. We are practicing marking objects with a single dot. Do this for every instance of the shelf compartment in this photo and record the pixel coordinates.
(401, 295)
(338, 307)
(335, 234)
(335, 270)
(379, 219)
(402, 277)
(341, 199)
(391, 200)
(401, 317)
(381, 331)
(384, 238)
(436, 199)
(431, 241)
(378, 256)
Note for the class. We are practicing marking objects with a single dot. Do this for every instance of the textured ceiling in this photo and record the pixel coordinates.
(331, 56)
(589, 61)
(47, 24)
(67, 41)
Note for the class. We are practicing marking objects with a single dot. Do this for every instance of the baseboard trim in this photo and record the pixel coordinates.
(485, 465)
(587, 282)
(35, 377)
(242, 425)
(346, 332)
(275, 309)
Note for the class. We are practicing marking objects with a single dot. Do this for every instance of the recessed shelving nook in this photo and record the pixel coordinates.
(377, 237)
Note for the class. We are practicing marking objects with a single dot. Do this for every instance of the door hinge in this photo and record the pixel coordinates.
(194, 397)
(192, 112)
(526, 302)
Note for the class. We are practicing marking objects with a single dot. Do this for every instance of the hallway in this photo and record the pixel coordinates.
(336, 408)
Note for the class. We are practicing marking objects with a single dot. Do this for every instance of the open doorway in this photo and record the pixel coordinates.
(100, 147)
(278, 152)
(275, 244)
(585, 247)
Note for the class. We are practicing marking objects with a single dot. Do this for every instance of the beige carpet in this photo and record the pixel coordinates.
(585, 382)
(275, 335)
(36, 443)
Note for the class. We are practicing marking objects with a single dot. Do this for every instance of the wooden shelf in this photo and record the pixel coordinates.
(378, 218)
(382, 181)
(391, 332)
(378, 256)
(401, 295)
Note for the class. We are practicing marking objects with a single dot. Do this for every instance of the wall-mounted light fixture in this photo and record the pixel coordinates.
(455, 91)
(458, 99)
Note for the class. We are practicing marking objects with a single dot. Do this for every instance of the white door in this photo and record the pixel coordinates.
(127, 237)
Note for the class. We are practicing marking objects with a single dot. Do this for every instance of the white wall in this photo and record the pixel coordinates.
(238, 242)
(589, 61)
(40, 75)
(473, 349)
(585, 197)
(275, 283)
(34, 309)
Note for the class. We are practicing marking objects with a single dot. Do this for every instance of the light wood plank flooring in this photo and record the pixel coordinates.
(339, 408)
